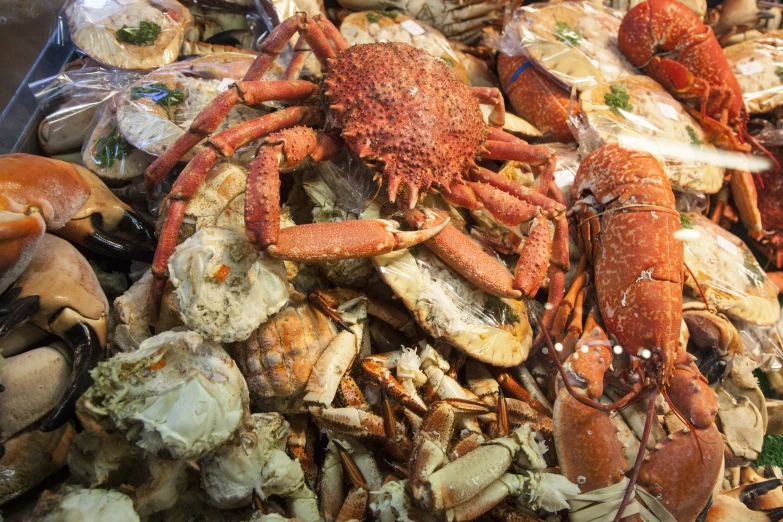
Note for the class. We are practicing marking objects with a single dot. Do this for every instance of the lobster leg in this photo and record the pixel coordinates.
(209, 118)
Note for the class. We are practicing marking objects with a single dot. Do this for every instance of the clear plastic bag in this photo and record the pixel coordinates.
(638, 107)
(107, 153)
(390, 26)
(158, 108)
(728, 273)
(758, 66)
(764, 344)
(129, 34)
(447, 306)
(70, 102)
(575, 42)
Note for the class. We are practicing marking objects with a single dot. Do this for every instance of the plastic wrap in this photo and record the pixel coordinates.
(575, 42)
(447, 306)
(729, 275)
(758, 66)
(764, 344)
(390, 26)
(638, 107)
(129, 34)
(456, 19)
(158, 108)
(70, 101)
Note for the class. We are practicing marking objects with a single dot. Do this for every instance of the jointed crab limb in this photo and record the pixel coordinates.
(209, 119)
(492, 96)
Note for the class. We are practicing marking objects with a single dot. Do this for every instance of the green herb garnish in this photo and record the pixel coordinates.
(160, 94)
(143, 35)
(375, 16)
(685, 221)
(779, 71)
(566, 34)
(448, 60)
(692, 134)
(754, 271)
(618, 99)
(499, 310)
(110, 147)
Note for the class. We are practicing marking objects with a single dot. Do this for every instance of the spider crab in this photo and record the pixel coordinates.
(412, 121)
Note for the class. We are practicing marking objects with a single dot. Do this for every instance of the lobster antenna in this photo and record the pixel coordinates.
(764, 150)
(698, 285)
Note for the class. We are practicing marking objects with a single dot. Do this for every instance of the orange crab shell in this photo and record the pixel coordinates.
(432, 135)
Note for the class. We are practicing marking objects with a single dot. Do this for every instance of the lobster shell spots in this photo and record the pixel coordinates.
(638, 263)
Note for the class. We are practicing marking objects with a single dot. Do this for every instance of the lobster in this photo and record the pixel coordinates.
(627, 223)
(671, 44)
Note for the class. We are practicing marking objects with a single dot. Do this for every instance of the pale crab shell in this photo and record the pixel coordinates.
(226, 307)
(485, 342)
(178, 396)
(254, 460)
(730, 276)
(93, 28)
(77, 504)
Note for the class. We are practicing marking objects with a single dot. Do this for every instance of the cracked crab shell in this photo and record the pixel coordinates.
(224, 286)
(178, 396)
(76, 504)
(447, 306)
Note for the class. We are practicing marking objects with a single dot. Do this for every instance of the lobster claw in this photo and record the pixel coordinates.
(59, 292)
(108, 226)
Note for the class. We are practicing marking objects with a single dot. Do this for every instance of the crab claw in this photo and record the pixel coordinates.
(108, 226)
(60, 293)
(727, 508)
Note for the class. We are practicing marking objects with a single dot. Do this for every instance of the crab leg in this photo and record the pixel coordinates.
(520, 150)
(492, 96)
(319, 241)
(467, 258)
(209, 118)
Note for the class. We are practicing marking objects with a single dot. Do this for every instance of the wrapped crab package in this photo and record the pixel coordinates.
(638, 108)
(459, 21)
(758, 66)
(728, 274)
(70, 101)
(107, 153)
(763, 344)
(129, 34)
(158, 108)
(447, 306)
(575, 42)
(390, 26)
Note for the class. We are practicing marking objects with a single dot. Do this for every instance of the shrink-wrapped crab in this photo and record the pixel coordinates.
(130, 35)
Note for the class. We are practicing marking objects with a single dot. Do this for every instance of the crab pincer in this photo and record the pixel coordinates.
(59, 292)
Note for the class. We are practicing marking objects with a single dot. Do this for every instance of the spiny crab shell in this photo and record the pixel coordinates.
(437, 129)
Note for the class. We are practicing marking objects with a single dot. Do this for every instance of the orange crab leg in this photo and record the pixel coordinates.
(492, 96)
(536, 155)
(467, 258)
(209, 118)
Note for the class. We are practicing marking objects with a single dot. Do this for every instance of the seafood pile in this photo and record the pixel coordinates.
(303, 262)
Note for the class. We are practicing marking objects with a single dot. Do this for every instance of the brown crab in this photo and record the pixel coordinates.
(412, 121)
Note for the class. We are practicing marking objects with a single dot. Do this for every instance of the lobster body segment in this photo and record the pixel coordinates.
(694, 67)
(637, 262)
